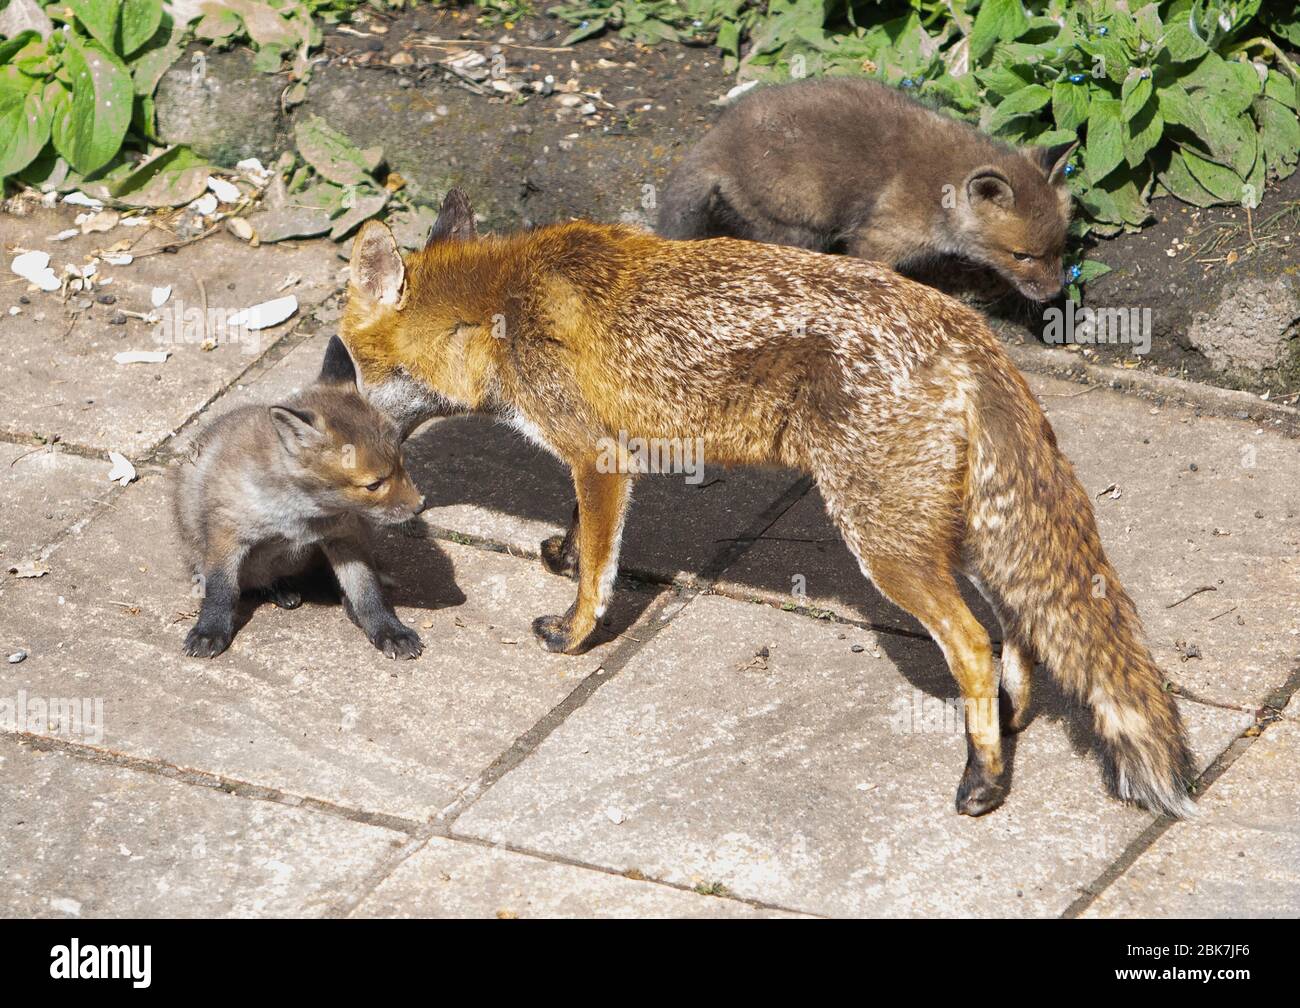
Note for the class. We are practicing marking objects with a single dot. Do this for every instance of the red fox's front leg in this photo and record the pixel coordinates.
(602, 505)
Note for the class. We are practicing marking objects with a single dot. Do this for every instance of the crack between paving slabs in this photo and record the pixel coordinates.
(657, 617)
(213, 781)
(1145, 840)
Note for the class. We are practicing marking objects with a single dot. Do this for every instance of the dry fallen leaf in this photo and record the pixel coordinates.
(104, 220)
(264, 315)
(34, 267)
(225, 191)
(122, 472)
(29, 569)
(140, 357)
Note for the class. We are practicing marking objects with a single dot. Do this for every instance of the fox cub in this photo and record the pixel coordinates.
(848, 164)
(271, 491)
(932, 455)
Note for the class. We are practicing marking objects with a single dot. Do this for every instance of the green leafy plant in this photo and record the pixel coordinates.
(76, 92)
(79, 89)
(1194, 98)
(332, 187)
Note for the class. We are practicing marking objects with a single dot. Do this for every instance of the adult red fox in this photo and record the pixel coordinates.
(932, 455)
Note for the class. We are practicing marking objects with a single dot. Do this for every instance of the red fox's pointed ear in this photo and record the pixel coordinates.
(377, 269)
(455, 220)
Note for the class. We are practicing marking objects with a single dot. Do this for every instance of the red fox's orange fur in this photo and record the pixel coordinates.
(932, 455)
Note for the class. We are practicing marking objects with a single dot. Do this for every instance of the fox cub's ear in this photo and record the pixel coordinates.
(378, 273)
(1052, 160)
(455, 220)
(989, 187)
(296, 428)
(337, 368)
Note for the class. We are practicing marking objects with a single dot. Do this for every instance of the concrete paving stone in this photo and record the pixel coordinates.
(1240, 857)
(1172, 530)
(446, 878)
(483, 479)
(83, 839)
(301, 701)
(56, 365)
(820, 780)
(44, 491)
(271, 382)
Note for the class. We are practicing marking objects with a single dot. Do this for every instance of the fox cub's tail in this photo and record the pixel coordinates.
(1032, 539)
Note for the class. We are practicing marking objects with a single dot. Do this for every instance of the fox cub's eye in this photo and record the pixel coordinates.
(372, 487)
(1024, 256)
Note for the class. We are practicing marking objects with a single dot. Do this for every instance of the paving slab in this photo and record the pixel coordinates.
(820, 779)
(45, 490)
(446, 878)
(276, 377)
(483, 479)
(56, 363)
(1232, 524)
(81, 839)
(301, 702)
(1240, 857)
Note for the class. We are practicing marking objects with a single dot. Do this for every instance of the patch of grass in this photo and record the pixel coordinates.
(505, 13)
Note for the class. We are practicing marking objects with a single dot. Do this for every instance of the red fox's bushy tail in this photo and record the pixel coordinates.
(1032, 540)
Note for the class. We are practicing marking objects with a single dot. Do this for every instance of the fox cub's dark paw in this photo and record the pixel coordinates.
(556, 634)
(283, 595)
(978, 793)
(396, 640)
(206, 640)
(559, 555)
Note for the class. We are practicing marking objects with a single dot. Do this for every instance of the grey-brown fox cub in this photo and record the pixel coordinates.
(848, 164)
(273, 490)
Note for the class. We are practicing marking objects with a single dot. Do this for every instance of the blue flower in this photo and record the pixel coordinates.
(1070, 169)
(1102, 29)
(1077, 78)
(1076, 271)
(908, 82)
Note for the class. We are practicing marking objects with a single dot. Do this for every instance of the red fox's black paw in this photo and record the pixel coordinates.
(207, 642)
(559, 556)
(977, 794)
(553, 632)
(398, 641)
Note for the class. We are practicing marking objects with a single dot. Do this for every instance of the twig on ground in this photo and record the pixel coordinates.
(1203, 588)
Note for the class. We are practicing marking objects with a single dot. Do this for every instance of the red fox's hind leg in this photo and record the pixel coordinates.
(927, 591)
